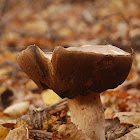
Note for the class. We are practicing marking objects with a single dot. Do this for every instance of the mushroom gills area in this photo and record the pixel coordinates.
(88, 115)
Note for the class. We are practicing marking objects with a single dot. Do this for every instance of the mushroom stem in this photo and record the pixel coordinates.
(88, 115)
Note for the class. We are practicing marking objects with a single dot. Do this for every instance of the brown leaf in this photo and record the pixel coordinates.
(133, 135)
(69, 132)
(132, 102)
(17, 134)
(110, 124)
(132, 118)
(111, 97)
(8, 124)
(117, 132)
(39, 120)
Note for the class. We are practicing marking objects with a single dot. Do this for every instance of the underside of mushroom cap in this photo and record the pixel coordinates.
(77, 70)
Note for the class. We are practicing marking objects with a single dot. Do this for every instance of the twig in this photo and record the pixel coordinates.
(58, 109)
(54, 105)
(42, 132)
(27, 133)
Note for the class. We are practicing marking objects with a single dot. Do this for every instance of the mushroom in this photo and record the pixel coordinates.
(80, 74)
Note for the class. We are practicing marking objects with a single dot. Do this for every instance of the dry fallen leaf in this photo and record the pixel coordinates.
(132, 118)
(8, 124)
(110, 124)
(109, 113)
(19, 133)
(117, 132)
(3, 132)
(69, 132)
(17, 109)
(46, 25)
(133, 135)
(39, 120)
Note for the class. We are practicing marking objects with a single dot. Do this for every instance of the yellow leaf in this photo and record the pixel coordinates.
(7, 55)
(5, 116)
(3, 72)
(3, 132)
(2, 89)
(109, 113)
(49, 97)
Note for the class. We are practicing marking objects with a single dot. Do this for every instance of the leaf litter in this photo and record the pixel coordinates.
(23, 105)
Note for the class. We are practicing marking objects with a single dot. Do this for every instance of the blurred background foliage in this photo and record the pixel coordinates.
(50, 23)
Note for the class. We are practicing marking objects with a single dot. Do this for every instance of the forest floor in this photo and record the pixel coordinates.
(65, 23)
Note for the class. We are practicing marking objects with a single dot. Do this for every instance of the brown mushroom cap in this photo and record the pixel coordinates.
(76, 70)
(37, 65)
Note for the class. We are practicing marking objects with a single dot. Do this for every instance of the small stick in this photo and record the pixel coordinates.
(41, 132)
(54, 105)
(27, 133)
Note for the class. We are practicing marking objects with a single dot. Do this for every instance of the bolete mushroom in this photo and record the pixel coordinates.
(80, 74)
